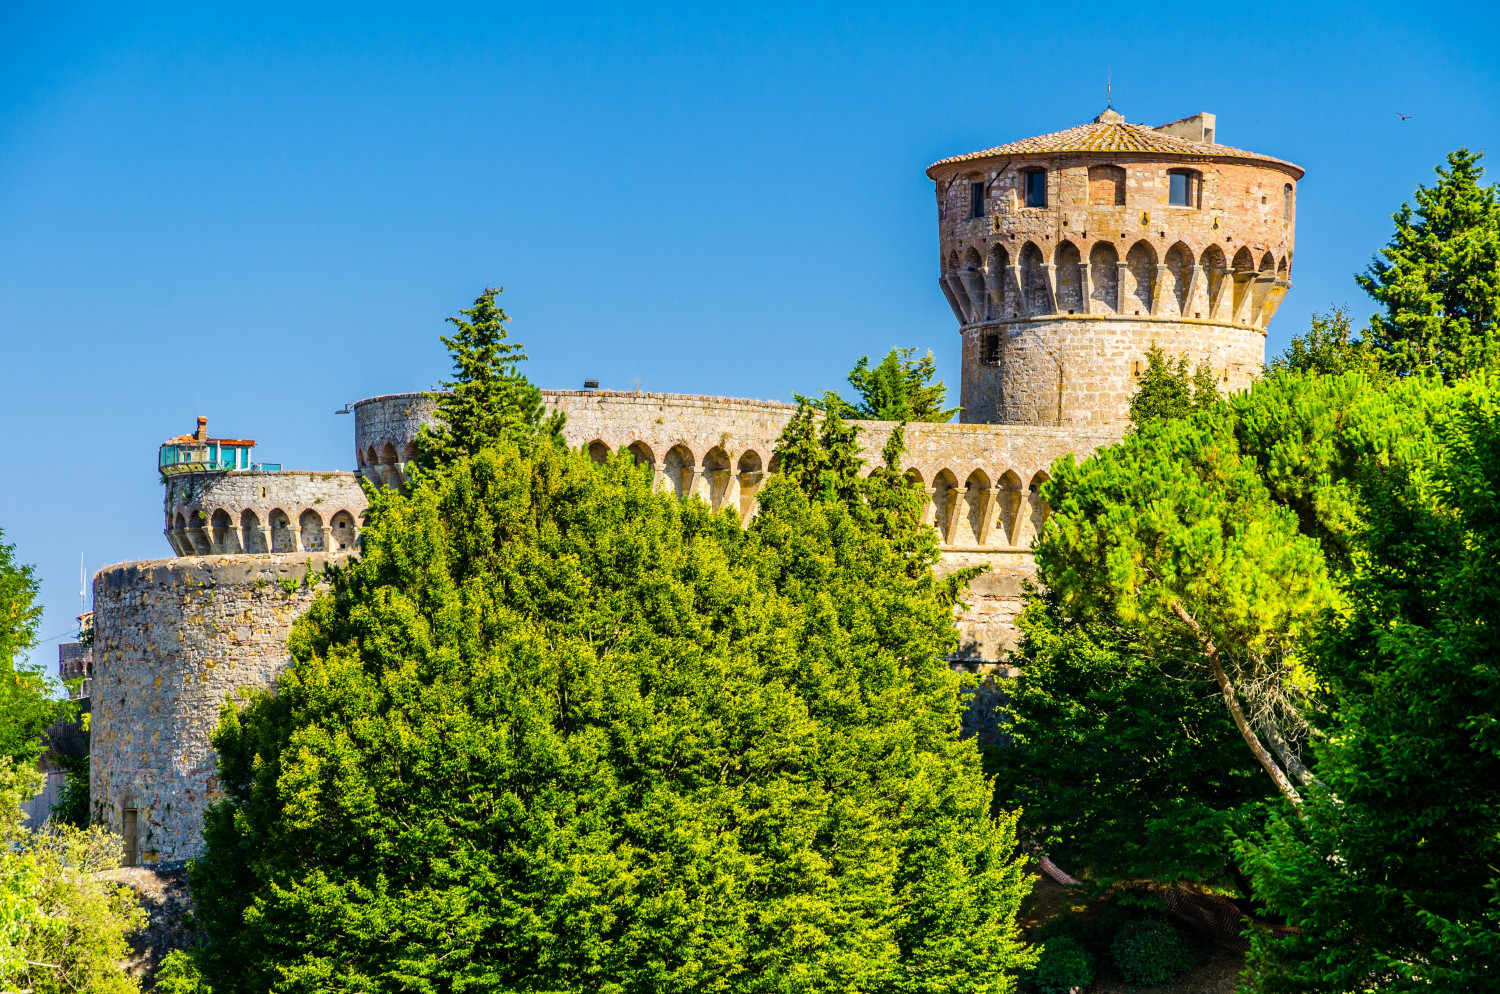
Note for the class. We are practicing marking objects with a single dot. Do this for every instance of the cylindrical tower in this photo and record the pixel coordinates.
(1065, 257)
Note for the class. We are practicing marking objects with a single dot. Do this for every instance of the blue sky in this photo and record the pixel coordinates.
(264, 211)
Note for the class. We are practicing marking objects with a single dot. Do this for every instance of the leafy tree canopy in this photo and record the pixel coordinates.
(62, 927)
(1329, 348)
(1439, 278)
(1391, 874)
(900, 388)
(1169, 391)
(27, 708)
(556, 731)
(489, 400)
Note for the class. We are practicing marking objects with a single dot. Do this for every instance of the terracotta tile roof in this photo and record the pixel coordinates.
(1104, 136)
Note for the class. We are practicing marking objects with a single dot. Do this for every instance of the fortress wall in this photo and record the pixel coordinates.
(173, 639)
(983, 478)
(250, 511)
(1100, 359)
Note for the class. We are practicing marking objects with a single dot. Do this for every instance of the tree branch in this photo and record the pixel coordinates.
(1231, 699)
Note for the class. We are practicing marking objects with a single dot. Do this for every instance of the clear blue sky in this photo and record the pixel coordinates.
(266, 211)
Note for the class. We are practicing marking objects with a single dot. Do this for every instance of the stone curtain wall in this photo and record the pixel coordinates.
(982, 479)
(228, 513)
(173, 639)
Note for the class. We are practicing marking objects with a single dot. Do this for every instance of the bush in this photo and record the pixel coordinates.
(1149, 951)
(1064, 965)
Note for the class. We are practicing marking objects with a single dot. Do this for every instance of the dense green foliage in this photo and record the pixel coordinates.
(1330, 348)
(554, 731)
(27, 708)
(489, 401)
(899, 388)
(62, 929)
(1149, 951)
(1168, 391)
(1439, 278)
(1063, 966)
(1392, 872)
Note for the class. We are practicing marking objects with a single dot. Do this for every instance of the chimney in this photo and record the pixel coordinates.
(202, 434)
(1198, 128)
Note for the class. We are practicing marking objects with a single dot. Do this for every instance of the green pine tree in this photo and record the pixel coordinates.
(488, 400)
(27, 707)
(1439, 278)
(1329, 348)
(899, 388)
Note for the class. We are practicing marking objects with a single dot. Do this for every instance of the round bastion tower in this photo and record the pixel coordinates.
(1065, 257)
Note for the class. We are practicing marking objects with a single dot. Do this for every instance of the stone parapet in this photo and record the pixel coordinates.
(253, 511)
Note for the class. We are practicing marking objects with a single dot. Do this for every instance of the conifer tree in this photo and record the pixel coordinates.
(1439, 278)
(488, 400)
(1169, 391)
(899, 388)
(554, 730)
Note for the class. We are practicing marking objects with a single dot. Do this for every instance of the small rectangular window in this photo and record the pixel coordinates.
(976, 200)
(989, 355)
(1182, 188)
(1036, 188)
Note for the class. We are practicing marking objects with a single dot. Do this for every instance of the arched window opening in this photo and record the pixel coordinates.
(678, 467)
(641, 453)
(1107, 185)
(1286, 202)
(1179, 263)
(281, 532)
(310, 523)
(1069, 280)
(598, 452)
(1104, 276)
(252, 539)
(343, 531)
(1184, 187)
(1140, 268)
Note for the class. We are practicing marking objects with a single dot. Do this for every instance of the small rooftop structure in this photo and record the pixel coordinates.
(197, 453)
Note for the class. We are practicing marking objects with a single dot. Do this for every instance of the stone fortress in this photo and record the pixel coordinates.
(1063, 257)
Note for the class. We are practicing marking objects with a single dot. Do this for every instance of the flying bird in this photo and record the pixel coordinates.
(1404, 117)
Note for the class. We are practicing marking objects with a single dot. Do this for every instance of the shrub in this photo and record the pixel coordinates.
(1149, 951)
(1063, 965)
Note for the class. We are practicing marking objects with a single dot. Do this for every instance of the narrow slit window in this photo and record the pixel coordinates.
(976, 200)
(1286, 202)
(1036, 188)
(130, 835)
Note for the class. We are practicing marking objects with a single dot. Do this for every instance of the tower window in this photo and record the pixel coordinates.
(1036, 188)
(1286, 202)
(976, 200)
(1182, 188)
(989, 353)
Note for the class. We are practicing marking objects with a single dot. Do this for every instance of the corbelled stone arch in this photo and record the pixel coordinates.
(1243, 276)
(1036, 508)
(344, 532)
(977, 509)
(222, 529)
(679, 467)
(599, 452)
(1012, 499)
(283, 532)
(642, 454)
(996, 274)
(409, 451)
(1036, 284)
(1268, 263)
(388, 454)
(1067, 263)
(751, 476)
(1104, 277)
(1282, 270)
(945, 509)
(972, 275)
(1179, 263)
(717, 477)
(1140, 279)
(1215, 269)
(252, 533)
(310, 525)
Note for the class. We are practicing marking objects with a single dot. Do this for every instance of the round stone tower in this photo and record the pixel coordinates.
(1065, 257)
